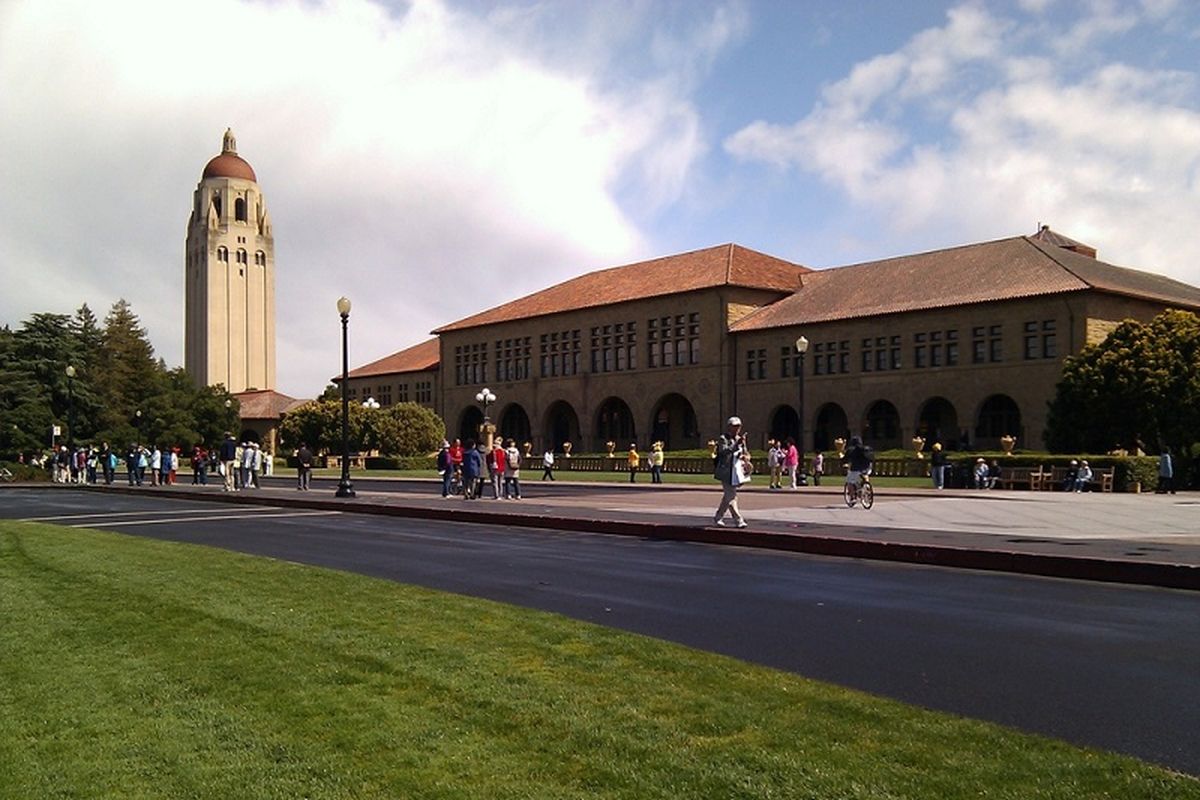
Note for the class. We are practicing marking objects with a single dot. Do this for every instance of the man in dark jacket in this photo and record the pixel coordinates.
(229, 460)
(304, 465)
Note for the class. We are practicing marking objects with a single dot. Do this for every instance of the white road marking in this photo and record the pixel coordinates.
(173, 520)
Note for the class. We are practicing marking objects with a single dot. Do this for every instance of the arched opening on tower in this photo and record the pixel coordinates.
(239, 209)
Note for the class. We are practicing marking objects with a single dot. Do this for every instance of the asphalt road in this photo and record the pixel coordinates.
(1103, 665)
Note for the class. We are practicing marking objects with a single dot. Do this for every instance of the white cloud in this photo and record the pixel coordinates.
(981, 128)
(425, 161)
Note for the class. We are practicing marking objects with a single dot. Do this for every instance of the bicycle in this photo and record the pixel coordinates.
(859, 492)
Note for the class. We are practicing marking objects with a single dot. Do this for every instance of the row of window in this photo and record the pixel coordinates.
(938, 348)
(260, 258)
(670, 341)
(423, 393)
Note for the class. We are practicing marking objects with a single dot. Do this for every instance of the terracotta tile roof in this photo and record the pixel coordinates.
(418, 358)
(1006, 269)
(265, 404)
(724, 265)
(1048, 236)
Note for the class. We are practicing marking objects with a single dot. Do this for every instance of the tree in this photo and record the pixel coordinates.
(1142, 383)
(408, 429)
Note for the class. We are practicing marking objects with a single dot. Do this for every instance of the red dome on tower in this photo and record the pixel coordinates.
(229, 164)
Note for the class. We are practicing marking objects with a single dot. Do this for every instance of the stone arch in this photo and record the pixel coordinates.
(249, 435)
(785, 423)
(673, 422)
(832, 423)
(614, 422)
(468, 424)
(239, 209)
(938, 422)
(514, 424)
(998, 415)
(881, 425)
(561, 424)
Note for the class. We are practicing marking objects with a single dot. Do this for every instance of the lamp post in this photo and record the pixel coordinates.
(801, 348)
(71, 408)
(485, 398)
(345, 488)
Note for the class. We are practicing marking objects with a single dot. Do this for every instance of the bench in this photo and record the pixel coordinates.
(1102, 479)
(1022, 478)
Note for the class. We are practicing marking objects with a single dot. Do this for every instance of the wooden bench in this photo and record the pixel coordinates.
(1032, 478)
(1102, 479)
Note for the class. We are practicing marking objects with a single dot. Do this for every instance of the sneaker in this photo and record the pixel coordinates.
(720, 523)
(741, 523)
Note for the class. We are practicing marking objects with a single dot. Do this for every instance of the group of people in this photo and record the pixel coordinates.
(655, 461)
(158, 465)
(784, 460)
(238, 464)
(463, 469)
(83, 464)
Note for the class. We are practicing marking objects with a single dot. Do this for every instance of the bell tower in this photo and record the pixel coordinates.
(229, 317)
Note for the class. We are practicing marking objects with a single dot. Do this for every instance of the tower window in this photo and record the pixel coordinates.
(241, 257)
(239, 209)
(223, 254)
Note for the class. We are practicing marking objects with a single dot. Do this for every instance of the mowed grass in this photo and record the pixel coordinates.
(133, 668)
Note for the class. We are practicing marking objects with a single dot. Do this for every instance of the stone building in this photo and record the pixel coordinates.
(962, 345)
(229, 284)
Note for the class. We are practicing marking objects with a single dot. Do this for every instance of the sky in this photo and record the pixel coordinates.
(434, 158)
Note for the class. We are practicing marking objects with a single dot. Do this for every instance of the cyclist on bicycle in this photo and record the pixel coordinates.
(860, 459)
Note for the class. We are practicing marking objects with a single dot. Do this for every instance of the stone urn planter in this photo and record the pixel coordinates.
(610, 446)
(567, 449)
(918, 444)
(1007, 443)
(839, 444)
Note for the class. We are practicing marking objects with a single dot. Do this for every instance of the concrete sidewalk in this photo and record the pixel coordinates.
(1129, 538)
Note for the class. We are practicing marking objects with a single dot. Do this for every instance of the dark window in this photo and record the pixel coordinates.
(952, 354)
(919, 356)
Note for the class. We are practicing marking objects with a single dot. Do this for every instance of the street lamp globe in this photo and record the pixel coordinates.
(343, 306)
(370, 402)
(802, 345)
(70, 371)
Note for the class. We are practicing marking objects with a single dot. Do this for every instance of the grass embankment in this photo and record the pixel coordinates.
(133, 668)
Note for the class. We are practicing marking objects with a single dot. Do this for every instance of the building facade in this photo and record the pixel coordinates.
(960, 346)
(229, 318)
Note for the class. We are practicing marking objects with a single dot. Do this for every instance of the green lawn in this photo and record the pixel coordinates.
(133, 668)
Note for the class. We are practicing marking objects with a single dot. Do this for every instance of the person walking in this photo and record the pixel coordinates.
(657, 458)
(548, 465)
(791, 461)
(634, 460)
(818, 467)
(155, 465)
(164, 468)
(938, 466)
(199, 466)
(229, 461)
(512, 470)
(1166, 472)
(304, 465)
(472, 468)
(775, 456)
(445, 467)
(496, 463)
(731, 448)
(247, 461)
